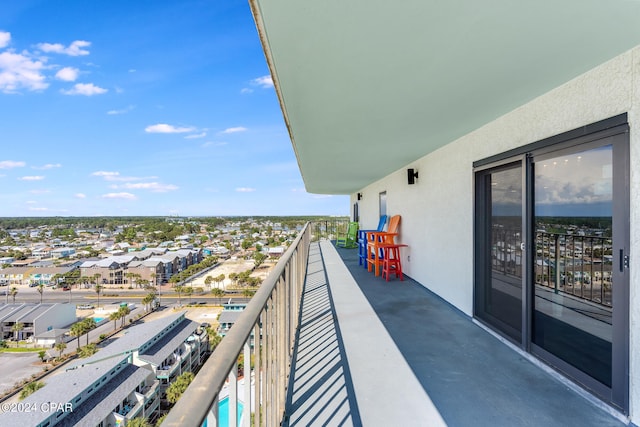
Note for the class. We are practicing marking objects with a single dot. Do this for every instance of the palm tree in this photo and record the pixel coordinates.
(98, 290)
(188, 291)
(13, 292)
(208, 280)
(16, 329)
(77, 330)
(217, 292)
(115, 316)
(89, 324)
(148, 300)
(179, 289)
(30, 389)
(61, 346)
(40, 291)
(124, 312)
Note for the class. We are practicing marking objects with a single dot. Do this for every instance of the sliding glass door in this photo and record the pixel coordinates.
(551, 252)
(499, 301)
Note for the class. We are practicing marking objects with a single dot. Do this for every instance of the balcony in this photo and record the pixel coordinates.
(363, 351)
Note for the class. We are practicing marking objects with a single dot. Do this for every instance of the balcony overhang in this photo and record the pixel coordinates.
(366, 88)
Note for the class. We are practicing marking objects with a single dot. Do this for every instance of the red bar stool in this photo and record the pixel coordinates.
(391, 262)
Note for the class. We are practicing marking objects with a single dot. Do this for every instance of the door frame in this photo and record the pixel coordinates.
(582, 138)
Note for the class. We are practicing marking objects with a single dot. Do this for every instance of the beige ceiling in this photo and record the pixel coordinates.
(367, 86)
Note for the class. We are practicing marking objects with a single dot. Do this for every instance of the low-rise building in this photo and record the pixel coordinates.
(123, 381)
(36, 319)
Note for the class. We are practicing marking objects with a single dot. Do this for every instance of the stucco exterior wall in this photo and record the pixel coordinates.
(437, 211)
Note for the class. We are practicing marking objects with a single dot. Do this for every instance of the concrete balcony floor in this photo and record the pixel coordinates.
(379, 353)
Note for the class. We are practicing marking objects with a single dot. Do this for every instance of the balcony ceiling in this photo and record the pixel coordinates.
(366, 87)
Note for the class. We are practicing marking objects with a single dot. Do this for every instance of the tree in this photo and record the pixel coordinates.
(148, 300)
(40, 291)
(176, 388)
(258, 259)
(188, 291)
(98, 290)
(124, 312)
(208, 280)
(42, 354)
(218, 293)
(60, 347)
(179, 289)
(214, 338)
(220, 279)
(138, 422)
(95, 278)
(16, 329)
(77, 330)
(135, 278)
(115, 316)
(88, 324)
(13, 292)
(87, 350)
(30, 389)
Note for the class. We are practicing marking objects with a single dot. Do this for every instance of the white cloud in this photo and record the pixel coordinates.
(124, 196)
(74, 49)
(165, 128)
(246, 90)
(5, 38)
(67, 74)
(40, 191)
(196, 135)
(234, 130)
(32, 208)
(115, 176)
(122, 111)
(86, 89)
(152, 186)
(80, 196)
(18, 71)
(31, 202)
(105, 174)
(47, 166)
(32, 178)
(245, 190)
(264, 82)
(9, 164)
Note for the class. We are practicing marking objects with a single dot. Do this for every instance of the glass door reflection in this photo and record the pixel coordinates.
(573, 282)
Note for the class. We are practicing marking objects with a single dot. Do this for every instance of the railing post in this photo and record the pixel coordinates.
(557, 263)
(212, 416)
(258, 378)
(233, 395)
(246, 419)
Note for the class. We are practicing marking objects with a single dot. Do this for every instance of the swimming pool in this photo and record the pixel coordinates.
(223, 413)
(98, 319)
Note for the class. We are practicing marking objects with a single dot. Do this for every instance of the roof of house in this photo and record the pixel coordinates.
(112, 393)
(134, 338)
(157, 353)
(61, 388)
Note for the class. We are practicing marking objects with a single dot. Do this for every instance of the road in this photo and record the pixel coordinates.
(89, 296)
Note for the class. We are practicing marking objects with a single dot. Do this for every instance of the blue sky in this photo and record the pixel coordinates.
(142, 108)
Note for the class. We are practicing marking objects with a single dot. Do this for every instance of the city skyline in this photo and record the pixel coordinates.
(144, 108)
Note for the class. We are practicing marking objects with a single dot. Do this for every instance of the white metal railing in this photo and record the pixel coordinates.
(272, 317)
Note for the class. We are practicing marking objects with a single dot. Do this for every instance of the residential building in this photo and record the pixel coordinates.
(122, 381)
(36, 319)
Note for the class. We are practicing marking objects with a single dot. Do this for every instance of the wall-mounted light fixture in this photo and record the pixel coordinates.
(412, 175)
(359, 196)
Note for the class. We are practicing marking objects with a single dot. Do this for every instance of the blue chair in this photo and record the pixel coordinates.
(362, 240)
